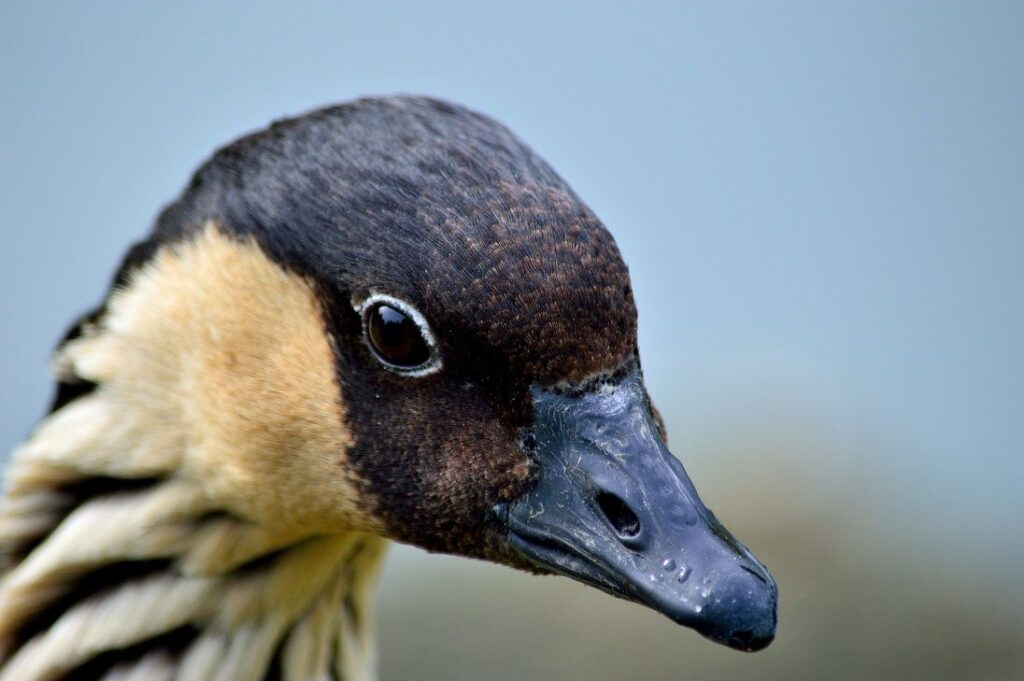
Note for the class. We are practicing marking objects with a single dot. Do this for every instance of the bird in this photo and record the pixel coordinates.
(387, 320)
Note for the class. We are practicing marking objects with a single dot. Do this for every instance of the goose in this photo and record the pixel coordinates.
(387, 320)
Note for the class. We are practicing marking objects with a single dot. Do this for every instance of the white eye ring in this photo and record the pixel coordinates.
(431, 365)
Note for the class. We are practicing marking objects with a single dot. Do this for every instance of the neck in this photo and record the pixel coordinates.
(186, 511)
(139, 575)
(116, 563)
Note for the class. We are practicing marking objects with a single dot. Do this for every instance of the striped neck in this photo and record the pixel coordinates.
(134, 574)
(102, 596)
(187, 510)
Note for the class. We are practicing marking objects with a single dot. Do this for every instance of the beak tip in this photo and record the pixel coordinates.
(742, 618)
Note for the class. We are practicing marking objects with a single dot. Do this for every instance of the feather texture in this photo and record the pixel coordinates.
(142, 530)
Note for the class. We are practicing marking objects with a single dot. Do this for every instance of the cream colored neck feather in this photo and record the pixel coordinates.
(191, 518)
(300, 613)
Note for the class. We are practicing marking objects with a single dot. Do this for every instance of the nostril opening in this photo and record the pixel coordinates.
(622, 518)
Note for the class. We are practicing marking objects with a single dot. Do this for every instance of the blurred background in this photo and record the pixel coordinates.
(822, 206)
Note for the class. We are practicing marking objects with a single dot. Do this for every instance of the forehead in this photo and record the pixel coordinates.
(530, 275)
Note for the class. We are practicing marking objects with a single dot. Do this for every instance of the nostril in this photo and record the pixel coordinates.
(621, 517)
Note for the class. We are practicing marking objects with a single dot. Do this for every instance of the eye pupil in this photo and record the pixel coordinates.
(395, 337)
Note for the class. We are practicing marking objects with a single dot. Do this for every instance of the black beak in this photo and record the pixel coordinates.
(613, 508)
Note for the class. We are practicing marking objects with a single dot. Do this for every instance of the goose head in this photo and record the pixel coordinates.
(483, 348)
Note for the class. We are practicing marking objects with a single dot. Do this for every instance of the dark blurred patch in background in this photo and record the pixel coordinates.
(822, 206)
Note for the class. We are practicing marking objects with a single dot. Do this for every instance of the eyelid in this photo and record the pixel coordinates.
(432, 365)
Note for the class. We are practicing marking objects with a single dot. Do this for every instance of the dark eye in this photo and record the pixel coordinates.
(399, 339)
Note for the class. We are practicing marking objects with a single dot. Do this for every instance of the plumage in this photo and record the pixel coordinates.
(229, 453)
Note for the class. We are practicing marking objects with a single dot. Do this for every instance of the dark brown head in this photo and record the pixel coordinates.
(483, 333)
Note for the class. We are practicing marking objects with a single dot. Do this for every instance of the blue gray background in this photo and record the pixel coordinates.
(822, 206)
